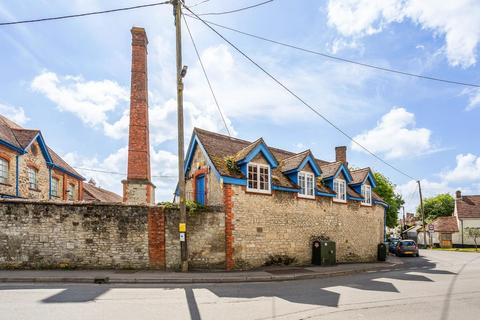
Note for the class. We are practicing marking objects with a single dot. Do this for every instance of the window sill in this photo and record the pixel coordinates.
(339, 201)
(301, 196)
(261, 192)
(32, 189)
(366, 204)
(5, 184)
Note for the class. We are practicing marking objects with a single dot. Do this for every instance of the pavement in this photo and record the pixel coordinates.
(435, 286)
(275, 273)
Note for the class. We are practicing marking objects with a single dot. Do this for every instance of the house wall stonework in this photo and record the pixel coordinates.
(214, 194)
(37, 161)
(9, 188)
(282, 223)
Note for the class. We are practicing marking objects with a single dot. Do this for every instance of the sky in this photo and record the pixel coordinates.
(71, 79)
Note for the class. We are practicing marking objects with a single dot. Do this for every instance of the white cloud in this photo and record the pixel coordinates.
(91, 101)
(465, 177)
(474, 98)
(467, 169)
(163, 170)
(457, 20)
(396, 136)
(16, 114)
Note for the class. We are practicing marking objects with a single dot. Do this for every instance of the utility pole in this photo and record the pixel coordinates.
(404, 222)
(423, 214)
(181, 71)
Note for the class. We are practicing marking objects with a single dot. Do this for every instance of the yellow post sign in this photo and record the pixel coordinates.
(182, 227)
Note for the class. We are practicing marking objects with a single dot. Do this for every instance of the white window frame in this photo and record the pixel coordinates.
(302, 179)
(367, 201)
(71, 192)
(257, 167)
(32, 173)
(4, 170)
(54, 191)
(338, 195)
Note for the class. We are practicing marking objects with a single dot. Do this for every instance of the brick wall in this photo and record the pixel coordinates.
(282, 223)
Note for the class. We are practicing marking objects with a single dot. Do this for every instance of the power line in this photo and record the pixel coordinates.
(206, 76)
(339, 58)
(299, 98)
(199, 3)
(84, 14)
(236, 10)
(119, 173)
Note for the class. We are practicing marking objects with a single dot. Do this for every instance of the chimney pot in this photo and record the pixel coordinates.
(341, 154)
(459, 194)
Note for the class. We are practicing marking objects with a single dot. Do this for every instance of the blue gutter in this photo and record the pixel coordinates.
(280, 188)
(11, 146)
(52, 165)
(354, 198)
(318, 193)
(17, 191)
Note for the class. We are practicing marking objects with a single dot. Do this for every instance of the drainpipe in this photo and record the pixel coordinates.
(17, 191)
(49, 183)
(463, 246)
(384, 224)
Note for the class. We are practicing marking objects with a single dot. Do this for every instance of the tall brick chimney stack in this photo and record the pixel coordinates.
(138, 188)
(341, 154)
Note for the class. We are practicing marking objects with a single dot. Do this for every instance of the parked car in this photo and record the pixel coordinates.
(406, 247)
(392, 245)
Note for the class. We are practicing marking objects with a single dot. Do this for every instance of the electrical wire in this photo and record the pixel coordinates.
(299, 98)
(339, 58)
(198, 3)
(206, 76)
(119, 173)
(83, 14)
(236, 10)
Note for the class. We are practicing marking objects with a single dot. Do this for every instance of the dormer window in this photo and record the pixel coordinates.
(340, 188)
(307, 187)
(367, 195)
(258, 178)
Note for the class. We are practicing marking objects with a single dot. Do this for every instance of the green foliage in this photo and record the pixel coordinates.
(191, 206)
(473, 233)
(439, 206)
(280, 259)
(232, 165)
(386, 190)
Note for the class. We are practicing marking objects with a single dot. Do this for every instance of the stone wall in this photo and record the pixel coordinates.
(206, 239)
(282, 223)
(37, 234)
(57, 235)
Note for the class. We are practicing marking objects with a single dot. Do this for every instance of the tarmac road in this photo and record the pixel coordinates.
(438, 285)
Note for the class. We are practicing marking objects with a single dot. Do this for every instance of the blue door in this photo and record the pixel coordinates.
(200, 190)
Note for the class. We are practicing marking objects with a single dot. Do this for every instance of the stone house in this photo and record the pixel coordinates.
(30, 169)
(278, 202)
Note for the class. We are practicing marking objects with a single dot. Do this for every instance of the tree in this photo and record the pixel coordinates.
(386, 190)
(438, 206)
(473, 233)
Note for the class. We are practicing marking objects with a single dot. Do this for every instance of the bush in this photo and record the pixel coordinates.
(280, 259)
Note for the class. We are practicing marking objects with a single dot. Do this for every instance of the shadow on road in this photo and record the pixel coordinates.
(311, 292)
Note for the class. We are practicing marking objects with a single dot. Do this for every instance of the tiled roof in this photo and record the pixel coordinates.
(20, 138)
(468, 207)
(61, 163)
(353, 193)
(97, 194)
(294, 161)
(445, 224)
(24, 136)
(329, 170)
(218, 147)
(359, 175)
